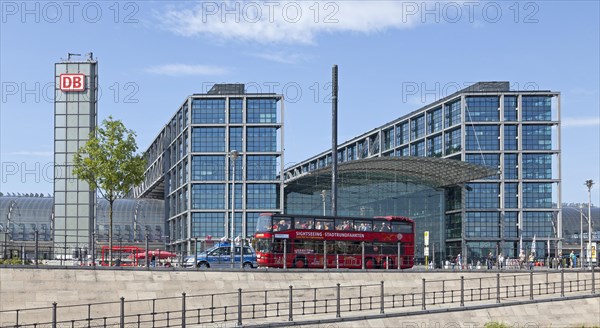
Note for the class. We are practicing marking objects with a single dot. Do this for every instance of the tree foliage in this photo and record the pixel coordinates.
(109, 164)
(108, 161)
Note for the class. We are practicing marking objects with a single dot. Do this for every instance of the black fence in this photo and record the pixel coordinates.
(289, 304)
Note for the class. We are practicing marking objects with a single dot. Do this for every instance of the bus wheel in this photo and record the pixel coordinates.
(300, 263)
(369, 263)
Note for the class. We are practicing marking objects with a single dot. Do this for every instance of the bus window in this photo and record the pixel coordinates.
(363, 225)
(263, 245)
(282, 224)
(327, 224)
(264, 223)
(302, 223)
(343, 224)
(402, 227)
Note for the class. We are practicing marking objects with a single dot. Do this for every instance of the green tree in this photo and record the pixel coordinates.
(108, 163)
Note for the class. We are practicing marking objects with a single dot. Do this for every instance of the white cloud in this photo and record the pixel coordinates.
(573, 122)
(288, 21)
(280, 57)
(186, 70)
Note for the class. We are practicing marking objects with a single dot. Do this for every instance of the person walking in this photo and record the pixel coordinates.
(459, 261)
(573, 260)
(490, 261)
(531, 260)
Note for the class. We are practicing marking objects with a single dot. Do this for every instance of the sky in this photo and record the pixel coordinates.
(393, 57)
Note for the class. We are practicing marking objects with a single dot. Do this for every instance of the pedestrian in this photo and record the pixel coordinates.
(501, 261)
(490, 261)
(521, 259)
(531, 260)
(153, 261)
(459, 261)
(573, 259)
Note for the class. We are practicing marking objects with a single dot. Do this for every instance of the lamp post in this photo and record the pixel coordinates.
(581, 235)
(323, 195)
(233, 155)
(589, 184)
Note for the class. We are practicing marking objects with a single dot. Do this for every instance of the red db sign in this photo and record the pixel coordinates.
(72, 82)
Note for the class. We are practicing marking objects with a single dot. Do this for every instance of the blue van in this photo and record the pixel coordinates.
(219, 256)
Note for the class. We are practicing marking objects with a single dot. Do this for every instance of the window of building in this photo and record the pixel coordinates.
(239, 199)
(489, 160)
(510, 224)
(434, 120)
(374, 144)
(251, 220)
(510, 170)
(208, 196)
(208, 224)
(208, 111)
(434, 146)
(482, 224)
(483, 195)
(452, 140)
(402, 151)
(511, 190)
(482, 109)
(417, 127)
(452, 114)
(453, 226)
(208, 168)
(537, 137)
(537, 195)
(510, 137)
(417, 149)
(537, 224)
(510, 108)
(261, 168)
(402, 135)
(351, 153)
(262, 139)
(207, 140)
(388, 139)
(261, 196)
(537, 166)
(262, 110)
(235, 139)
(537, 108)
(235, 110)
(482, 137)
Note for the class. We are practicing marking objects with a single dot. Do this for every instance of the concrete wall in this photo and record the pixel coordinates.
(28, 288)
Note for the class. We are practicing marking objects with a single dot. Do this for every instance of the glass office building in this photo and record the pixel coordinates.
(514, 133)
(192, 161)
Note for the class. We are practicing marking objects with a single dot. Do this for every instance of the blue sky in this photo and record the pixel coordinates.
(153, 54)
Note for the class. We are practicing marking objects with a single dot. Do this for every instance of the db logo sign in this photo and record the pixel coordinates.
(72, 82)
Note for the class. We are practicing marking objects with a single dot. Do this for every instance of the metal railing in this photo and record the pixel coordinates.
(253, 306)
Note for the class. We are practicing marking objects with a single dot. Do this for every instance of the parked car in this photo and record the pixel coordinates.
(219, 256)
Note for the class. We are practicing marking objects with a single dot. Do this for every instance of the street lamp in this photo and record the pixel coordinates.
(323, 196)
(589, 184)
(233, 155)
(581, 235)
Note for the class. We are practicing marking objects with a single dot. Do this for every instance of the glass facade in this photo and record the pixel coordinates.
(75, 116)
(509, 131)
(199, 166)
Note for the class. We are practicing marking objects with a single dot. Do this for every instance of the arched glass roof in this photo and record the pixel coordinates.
(429, 171)
(21, 216)
(572, 221)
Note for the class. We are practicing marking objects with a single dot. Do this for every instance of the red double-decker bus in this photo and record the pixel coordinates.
(309, 241)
